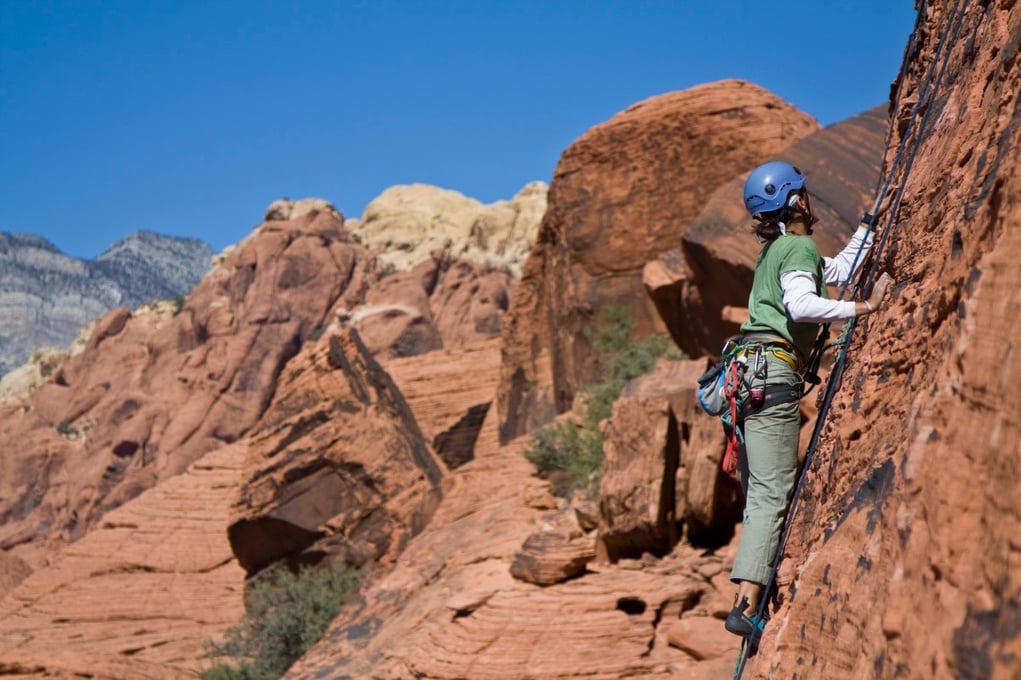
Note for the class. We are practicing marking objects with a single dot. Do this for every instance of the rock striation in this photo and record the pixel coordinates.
(141, 591)
(338, 467)
(463, 599)
(141, 594)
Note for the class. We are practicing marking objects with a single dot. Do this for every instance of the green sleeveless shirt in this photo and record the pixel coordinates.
(766, 311)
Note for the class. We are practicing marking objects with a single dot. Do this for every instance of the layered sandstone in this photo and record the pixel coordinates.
(142, 593)
(903, 562)
(456, 606)
(153, 390)
(623, 193)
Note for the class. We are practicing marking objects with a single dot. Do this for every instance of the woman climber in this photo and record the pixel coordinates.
(787, 303)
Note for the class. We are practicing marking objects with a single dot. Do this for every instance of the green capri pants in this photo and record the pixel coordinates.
(768, 465)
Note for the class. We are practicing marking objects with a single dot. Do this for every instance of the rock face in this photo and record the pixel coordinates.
(623, 193)
(47, 297)
(450, 392)
(712, 269)
(661, 469)
(439, 303)
(338, 467)
(904, 559)
(150, 394)
(140, 595)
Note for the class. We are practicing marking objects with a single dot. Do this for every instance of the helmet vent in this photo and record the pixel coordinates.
(770, 189)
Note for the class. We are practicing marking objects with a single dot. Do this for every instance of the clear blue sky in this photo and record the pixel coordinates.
(189, 118)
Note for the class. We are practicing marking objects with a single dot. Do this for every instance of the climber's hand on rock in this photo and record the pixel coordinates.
(879, 291)
(884, 205)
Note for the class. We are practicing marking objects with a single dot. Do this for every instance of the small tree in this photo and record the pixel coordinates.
(285, 614)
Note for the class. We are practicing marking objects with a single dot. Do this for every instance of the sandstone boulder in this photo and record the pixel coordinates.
(338, 466)
(550, 556)
(661, 468)
(623, 193)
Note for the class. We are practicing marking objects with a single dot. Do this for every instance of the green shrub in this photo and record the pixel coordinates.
(577, 450)
(285, 614)
(223, 671)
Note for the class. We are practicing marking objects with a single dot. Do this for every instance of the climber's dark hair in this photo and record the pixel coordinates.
(767, 228)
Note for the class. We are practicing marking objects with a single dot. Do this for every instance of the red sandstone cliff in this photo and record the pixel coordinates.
(905, 559)
(150, 394)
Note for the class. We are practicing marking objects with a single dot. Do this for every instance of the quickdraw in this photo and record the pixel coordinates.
(731, 389)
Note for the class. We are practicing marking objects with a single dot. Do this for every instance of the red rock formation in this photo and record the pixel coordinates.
(623, 193)
(148, 396)
(661, 469)
(904, 560)
(550, 556)
(450, 392)
(440, 303)
(338, 466)
(450, 607)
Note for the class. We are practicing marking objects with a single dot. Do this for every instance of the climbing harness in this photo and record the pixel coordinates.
(926, 98)
(730, 391)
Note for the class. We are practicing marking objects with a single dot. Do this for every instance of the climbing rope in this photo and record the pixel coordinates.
(926, 98)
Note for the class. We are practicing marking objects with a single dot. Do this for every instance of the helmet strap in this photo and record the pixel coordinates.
(802, 208)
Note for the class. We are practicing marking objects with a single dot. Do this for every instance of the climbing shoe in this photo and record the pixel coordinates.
(740, 624)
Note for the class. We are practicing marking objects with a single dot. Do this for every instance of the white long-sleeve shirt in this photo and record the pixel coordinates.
(800, 289)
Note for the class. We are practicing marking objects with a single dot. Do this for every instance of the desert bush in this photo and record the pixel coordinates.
(574, 449)
(285, 614)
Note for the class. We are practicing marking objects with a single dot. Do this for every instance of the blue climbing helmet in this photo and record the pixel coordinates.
(768, 187)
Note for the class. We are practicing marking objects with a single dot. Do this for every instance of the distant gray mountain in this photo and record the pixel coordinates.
(46, 297)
